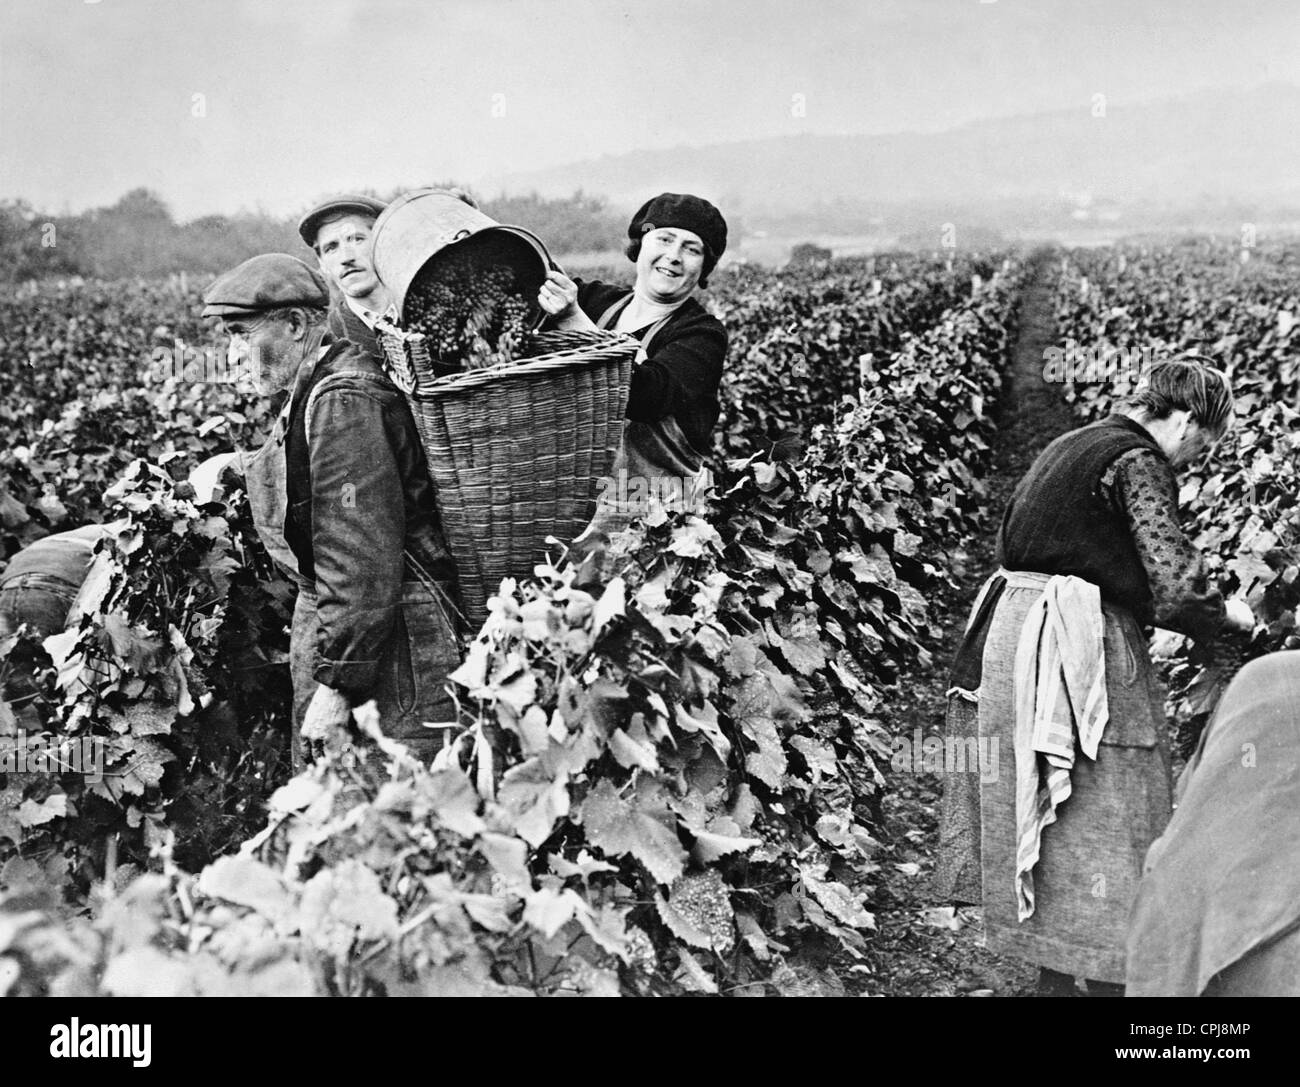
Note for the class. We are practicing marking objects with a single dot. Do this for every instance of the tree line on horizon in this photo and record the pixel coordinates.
(138, 235)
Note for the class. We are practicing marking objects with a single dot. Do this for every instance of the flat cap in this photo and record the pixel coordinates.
(265, 282)
(362, 205)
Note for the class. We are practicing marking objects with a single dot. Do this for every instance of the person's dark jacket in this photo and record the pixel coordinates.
(346, 325)
(1061, 520)
(682, 374)
(361, 511)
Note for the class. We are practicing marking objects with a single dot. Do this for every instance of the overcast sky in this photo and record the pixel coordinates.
(227, 104)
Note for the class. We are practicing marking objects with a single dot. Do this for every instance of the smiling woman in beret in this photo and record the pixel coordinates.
(675, 241)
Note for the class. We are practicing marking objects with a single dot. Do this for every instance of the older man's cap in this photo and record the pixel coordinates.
(270, 281)
(351, 202)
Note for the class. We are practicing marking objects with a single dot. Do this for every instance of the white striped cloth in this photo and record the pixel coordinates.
(1060, 697)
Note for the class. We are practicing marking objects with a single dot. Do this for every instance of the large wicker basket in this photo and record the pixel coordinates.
(516, 452)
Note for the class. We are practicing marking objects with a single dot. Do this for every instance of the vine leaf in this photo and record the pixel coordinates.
(698, 910)
(248, 882)
(549, 910)
(692, 976)
(344, 904)
(33, 814)
(643, 826)
(535, 798)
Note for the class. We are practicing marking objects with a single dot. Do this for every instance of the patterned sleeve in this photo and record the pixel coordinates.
(1143, 490)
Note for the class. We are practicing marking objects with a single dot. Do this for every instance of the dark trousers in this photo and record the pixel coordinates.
(39, 600)
(42, 602)
(410, 692)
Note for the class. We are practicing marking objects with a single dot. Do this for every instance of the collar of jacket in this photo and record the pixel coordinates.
(344, 324)
(1129, 423)
(329, 348)
(368, 316)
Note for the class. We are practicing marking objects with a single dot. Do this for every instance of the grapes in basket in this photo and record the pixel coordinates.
(473, 315)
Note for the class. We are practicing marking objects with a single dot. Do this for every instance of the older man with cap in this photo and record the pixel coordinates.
(675, 240)
(341, 496)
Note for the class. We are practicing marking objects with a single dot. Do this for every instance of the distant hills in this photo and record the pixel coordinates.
(1219, 153)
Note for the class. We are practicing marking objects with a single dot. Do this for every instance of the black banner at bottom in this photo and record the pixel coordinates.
(141, 1037)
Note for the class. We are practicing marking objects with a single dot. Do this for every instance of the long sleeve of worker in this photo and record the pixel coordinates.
(1143, 489)
(358, 531)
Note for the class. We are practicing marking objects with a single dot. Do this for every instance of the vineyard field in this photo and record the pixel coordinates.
(669, 776)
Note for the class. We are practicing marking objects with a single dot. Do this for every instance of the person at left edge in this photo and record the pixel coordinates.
(341, 496)
(42, 584)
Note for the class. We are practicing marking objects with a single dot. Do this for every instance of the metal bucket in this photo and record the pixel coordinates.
(419, 225)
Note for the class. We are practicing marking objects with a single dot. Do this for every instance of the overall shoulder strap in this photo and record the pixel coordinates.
(654, 331)
(326, 354)
(607, 319)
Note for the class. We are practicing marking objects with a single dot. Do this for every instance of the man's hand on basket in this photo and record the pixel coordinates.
(327, 715)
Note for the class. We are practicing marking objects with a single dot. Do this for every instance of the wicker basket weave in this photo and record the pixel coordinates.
(515, 451)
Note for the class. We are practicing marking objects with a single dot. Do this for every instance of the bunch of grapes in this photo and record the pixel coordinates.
(472, 316)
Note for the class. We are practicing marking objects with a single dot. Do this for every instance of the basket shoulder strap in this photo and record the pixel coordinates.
(333, 381)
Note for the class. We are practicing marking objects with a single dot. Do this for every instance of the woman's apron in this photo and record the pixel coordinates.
(1087, 874)
(656, 466)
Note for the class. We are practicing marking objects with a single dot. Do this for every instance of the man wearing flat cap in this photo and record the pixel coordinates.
(675, 241)
(338, 232)
(341, 497)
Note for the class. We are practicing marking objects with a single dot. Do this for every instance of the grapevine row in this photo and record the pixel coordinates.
(663, 780)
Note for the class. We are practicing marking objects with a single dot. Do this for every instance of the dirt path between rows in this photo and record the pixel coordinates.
(923, 947)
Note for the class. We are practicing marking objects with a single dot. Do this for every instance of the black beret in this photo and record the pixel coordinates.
(686, 212)
(362, 205)
(269, 281)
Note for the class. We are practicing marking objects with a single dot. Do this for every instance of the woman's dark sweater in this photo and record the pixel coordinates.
(1124, 537)
(684, 369)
